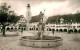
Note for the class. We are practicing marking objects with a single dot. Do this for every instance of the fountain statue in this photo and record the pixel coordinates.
(41, 26)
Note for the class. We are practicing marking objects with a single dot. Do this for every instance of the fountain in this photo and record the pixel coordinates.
(41, 40)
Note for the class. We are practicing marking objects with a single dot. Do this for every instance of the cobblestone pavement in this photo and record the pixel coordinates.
(69, 43)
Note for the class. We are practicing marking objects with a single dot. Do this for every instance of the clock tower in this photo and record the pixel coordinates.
(28, 15)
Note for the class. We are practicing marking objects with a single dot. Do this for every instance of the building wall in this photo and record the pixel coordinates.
(63, 26)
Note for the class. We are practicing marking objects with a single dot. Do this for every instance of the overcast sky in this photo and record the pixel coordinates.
(52, 7)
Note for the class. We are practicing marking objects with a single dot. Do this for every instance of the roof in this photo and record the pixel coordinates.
(67, 18)
(35, 19)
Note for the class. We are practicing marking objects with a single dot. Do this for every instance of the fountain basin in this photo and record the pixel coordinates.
(49, 41)
(10, 33)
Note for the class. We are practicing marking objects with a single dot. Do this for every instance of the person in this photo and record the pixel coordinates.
(53, 31)
(22, 30)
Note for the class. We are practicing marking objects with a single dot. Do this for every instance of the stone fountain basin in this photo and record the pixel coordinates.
(10, 33)
(48, 41)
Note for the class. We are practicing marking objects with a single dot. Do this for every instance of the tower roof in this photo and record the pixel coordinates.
(28, 5)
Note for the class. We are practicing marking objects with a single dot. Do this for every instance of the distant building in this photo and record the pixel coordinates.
(21, 24)
(64, 26)
(59, 26)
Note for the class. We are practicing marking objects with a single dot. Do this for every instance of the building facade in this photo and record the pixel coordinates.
(21, 24)
(73, 27)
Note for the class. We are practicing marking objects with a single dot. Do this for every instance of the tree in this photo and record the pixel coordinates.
(6, 18)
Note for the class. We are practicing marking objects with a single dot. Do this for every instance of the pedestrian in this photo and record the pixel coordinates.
(53, 31)
(22, 30)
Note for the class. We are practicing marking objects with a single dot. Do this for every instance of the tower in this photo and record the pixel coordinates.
(28, 15)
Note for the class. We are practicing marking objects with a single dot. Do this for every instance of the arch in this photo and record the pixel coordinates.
(65, 30)
(70, 31)
(24, 28)
(60, 30)
(36, 28)
(11, 28)
(8, 28)
(56, 29)
(75, 30)
(49, 29)
(79, 31)
(30, 29)
(19, 28)
(53, 29)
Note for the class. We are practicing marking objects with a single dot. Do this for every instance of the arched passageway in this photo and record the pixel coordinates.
(57, 30)
(30, 29)
(11, 28)
(75, 30)
(8, 28)
(70, 31)
(19, 28)
(24, 29)
(60, 30)
(65, 30)
(79, 31)
(36, 28)
(49, 29)
(53, 29)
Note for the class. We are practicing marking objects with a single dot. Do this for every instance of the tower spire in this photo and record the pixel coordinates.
(28, 15)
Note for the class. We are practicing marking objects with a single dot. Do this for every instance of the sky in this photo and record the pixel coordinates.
(51, 7)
